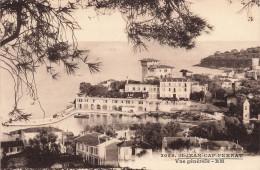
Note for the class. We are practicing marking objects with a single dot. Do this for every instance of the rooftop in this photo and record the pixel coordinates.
(38, 129)
(193, 140)
(174, 79)
(92, 139)
(148, 59)
(164, 66)
(135, 144)
(219, 144)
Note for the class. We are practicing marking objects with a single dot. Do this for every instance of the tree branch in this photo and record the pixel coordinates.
(18, 27)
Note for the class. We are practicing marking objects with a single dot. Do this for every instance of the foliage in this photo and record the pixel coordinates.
(202, 79)
(42, 151)
(41, 33)
(240, 59)
(34, 34)
(179, 144)
(155, 132)
(210, 130)
(230, 128)
(235, 129)
(253, 141)
(168, 22)
(197, 96)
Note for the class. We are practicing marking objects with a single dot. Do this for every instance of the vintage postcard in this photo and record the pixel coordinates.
(130, 84)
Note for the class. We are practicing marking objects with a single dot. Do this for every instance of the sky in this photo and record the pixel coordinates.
(106, 39)
(229, 25)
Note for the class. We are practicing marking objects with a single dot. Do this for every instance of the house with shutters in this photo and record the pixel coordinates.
(97, 149)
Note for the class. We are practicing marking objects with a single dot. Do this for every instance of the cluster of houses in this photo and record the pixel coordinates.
(174, 85)
(100, 149)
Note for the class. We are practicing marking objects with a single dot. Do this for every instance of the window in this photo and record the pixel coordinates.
(174, 90)
(185, 84)
(140, 102)
(91, 150)
(169, 84)
(87, 148)
(82, 147)
(144, 88)
(169, 89)
(245, 107)
(133, 88)
(133, 151)
(185, 89)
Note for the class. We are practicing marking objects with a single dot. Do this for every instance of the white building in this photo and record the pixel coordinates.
(226, 84)
(116, 104)
(10, 145)
(152, 68)
(97, 149)
(130, 151)
(26, 134)
(197, 87)
(175, 88)
(107, 83)
(152, 90)
(246, 112)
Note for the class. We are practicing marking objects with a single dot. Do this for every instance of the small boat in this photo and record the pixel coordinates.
(79, 115)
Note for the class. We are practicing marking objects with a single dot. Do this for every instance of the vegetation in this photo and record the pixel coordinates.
(113, 91)
(155, 132)
(42, 151)
(101, 129)
(230, 129)
(41, 33)
(197, 96)
(233, 59)
(179, 144)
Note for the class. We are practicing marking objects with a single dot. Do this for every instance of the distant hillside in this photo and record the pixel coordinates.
(231, 59)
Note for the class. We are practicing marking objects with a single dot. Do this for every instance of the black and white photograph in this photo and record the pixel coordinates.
(130, 84)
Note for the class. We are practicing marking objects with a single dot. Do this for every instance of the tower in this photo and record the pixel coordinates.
(255, 63)
(147, 63)
(246, 111)
(144, 69)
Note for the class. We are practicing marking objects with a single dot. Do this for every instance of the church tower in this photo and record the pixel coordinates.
(246, 112)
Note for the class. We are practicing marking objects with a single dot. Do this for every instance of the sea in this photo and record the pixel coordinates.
(119, 61)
